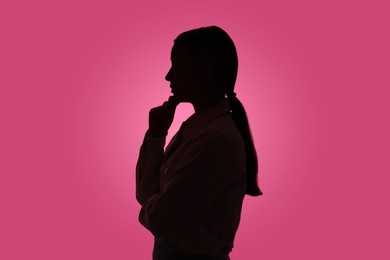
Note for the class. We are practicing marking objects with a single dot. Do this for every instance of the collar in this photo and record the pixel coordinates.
(199, 121)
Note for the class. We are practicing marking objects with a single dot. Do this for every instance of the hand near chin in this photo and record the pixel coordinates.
(161, 117)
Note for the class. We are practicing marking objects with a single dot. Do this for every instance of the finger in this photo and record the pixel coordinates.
(169, 105)
(173, 100)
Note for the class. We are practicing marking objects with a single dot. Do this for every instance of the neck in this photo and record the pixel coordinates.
(205, 103)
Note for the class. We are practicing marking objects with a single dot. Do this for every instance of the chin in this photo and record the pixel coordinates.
(180, 98)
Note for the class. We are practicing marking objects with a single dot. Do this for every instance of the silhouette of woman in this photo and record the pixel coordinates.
(192, 194)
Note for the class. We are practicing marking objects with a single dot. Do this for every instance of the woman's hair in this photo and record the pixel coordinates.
(211, 46)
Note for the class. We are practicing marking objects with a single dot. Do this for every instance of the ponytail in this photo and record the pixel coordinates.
(240, 118)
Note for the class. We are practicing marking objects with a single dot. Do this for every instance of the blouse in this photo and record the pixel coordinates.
(192, 194)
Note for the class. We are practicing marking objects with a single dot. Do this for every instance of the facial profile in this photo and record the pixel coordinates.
(184, 76)
(204, 66)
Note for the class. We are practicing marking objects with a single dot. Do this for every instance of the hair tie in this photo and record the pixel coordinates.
(231, 94)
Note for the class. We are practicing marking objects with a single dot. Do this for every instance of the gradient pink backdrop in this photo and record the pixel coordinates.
(79, 77)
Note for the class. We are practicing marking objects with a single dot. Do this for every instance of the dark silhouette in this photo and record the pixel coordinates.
(191, 194)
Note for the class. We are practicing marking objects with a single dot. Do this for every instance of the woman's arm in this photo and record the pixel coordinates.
(147, 170)
(152, 150)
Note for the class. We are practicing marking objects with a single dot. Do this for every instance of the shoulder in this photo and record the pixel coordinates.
(221, 134)
(210, 139)
(227, 128)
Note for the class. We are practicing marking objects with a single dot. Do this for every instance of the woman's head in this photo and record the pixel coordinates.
(204, 63)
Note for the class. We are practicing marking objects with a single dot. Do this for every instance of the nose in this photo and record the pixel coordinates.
(168, 76)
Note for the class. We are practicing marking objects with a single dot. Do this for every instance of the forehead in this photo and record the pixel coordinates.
(179, 54)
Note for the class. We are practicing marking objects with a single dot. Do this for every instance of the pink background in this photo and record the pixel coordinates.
(79, 77)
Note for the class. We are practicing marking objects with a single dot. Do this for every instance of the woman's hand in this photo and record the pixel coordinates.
(161, 117)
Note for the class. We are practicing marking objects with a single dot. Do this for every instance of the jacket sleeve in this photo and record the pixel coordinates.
(147, 169)
(194, 183)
